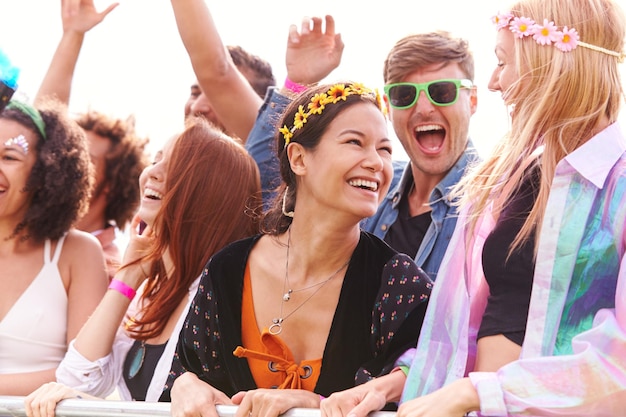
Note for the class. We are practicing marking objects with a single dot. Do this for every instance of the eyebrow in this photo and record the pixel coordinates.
(360, 133)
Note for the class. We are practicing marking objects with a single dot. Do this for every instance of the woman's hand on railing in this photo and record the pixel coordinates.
(43, 401)
(192, 397)
(273, 402)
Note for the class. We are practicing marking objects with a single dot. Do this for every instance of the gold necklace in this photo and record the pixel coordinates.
(277, 323)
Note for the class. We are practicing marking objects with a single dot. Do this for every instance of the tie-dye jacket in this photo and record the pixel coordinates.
(573, 359)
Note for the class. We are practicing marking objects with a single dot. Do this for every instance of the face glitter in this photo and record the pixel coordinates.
(20, 141)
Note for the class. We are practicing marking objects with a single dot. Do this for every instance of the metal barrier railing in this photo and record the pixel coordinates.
(14, 407)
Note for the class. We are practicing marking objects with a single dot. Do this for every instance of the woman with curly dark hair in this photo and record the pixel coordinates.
(52, 276)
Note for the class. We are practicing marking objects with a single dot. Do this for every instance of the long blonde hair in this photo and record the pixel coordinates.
(559, 102)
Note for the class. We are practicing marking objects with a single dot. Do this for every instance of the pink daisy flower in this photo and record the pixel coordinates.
(545, 34)
(501, 20)
(568, 39)
(522, 26)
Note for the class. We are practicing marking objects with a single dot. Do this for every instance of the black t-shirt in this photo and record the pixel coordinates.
(407, 233)
(510, 279)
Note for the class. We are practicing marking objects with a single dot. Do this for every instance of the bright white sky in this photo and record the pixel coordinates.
(135, 63)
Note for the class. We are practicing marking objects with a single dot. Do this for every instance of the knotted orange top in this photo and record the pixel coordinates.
(269, 358)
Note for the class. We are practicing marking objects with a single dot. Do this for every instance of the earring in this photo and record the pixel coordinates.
(285, 212)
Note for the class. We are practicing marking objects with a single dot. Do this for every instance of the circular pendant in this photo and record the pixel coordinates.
(275, 329)
(286, 296)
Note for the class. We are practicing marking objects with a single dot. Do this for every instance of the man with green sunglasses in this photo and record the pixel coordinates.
(430, 97)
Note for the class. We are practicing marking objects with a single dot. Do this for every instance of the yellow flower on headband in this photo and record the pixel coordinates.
(286, 134)
(319, 102)
(338, 92)
(359, 88)
(300, 118)
(316, 106)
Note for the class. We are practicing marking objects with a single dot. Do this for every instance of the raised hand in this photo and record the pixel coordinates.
(138, 246)
(81, 15)
(312, 52)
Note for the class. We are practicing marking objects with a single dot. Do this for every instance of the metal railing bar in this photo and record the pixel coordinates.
(11, 406)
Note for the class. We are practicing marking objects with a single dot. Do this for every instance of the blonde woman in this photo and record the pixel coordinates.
(532, 293)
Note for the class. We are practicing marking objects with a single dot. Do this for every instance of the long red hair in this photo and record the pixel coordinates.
(212, 199)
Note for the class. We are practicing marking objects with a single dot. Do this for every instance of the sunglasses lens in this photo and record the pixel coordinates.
(402, 95)
(443, 92)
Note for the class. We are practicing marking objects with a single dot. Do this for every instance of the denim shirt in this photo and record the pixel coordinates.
(261, 146)
(443, 214)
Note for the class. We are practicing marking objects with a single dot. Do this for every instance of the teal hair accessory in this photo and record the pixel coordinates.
(8, 80)
(32, 113)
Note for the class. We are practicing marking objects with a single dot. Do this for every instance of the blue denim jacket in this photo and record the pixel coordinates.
(443, 215)
(261, 146)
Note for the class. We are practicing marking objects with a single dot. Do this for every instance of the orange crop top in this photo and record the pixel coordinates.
(269, 358)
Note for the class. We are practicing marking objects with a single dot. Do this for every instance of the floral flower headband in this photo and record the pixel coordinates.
(547, 33)
(319, 102)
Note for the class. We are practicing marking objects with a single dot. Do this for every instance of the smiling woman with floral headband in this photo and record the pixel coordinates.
(313, 303)
(528, 314)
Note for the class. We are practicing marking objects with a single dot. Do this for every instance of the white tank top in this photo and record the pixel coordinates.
(33, 333)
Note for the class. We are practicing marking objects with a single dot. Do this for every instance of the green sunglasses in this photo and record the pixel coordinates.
(439, 92)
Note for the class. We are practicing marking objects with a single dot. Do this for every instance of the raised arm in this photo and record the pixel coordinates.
(95, 339)
(312, 54)
(93, 363)
(78, 17)
(232, 98)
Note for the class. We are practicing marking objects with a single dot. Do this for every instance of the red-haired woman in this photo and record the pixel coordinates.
(192, 208)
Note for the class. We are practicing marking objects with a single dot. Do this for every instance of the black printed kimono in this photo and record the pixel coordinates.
(379, 316)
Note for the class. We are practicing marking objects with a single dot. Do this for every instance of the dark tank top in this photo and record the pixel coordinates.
(510, 278)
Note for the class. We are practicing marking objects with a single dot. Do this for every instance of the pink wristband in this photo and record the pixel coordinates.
(294, 87)
(122, 288)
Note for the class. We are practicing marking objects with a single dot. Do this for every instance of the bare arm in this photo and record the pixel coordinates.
(24, 383)
(232, 98)
(78, 17)
(96, 337)
(88, 279)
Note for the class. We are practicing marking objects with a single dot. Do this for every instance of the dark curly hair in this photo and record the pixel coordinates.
(61, 178)
(125, 160)
(309, 136)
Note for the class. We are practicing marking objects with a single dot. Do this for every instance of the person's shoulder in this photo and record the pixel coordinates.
(81, 243)
(235, 251)
(399, 166)
(82, 254)
(78, 237)
(377, 245)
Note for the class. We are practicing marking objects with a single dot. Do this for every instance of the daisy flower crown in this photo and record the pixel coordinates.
(318, 103)
(547, 33)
